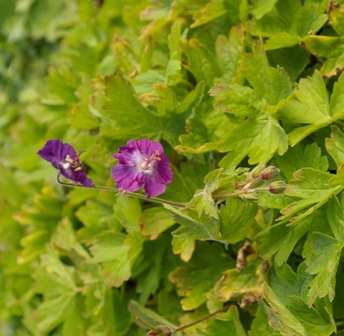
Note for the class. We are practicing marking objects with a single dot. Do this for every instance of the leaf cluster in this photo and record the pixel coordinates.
(225, 86)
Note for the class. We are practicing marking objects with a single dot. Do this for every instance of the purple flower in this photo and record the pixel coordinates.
(142, 162)
(63, 157)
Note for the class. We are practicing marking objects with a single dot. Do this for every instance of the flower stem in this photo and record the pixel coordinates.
(238, 193)
(119, 191)
(200, 320)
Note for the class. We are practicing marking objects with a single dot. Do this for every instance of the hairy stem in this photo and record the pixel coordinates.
(119, 191)
(200, 320)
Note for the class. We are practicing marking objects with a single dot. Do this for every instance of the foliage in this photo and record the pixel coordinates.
(225, 86)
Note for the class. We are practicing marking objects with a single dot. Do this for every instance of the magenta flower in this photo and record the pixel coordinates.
(140, 163)
(64, 158)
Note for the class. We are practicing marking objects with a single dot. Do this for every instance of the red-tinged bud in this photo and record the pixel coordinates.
(269, 173)
(256, 171)
(277, 187)
(161, 330)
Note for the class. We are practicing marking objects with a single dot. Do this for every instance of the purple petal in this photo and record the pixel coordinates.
(164, 172)
(56, 151)
(126, 179)
(153, 188)
(84, 180)
(142, 163)
(149, 147)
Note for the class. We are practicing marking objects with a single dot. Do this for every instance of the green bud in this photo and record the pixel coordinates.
(277, 187)
(269, 173)
(161, 330)
(256, 171)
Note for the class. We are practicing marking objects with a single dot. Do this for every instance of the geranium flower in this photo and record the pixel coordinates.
(64, 158)
(141, 163)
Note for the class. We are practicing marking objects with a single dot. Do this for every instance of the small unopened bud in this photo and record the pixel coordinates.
(256, 171)
(269, 173)
(161, 330)
(277, 187)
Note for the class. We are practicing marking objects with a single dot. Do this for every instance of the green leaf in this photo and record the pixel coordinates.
(335, 145)
(46, 210)
(169, 305)
(56, 282)
(335, 215)
(234, 283)
(298, 157)
(238, 100)
(270, 83)
(281, 239)
(212, 10)
(127, 118)
(290, 313)
(315, 190)
(293, 60)
(96, 217)
(338, 302)
(147, 315)
(288, 323)
(205, 127)
(312, 320)
(153, 265)
(236, 218)
(201, 62)
(183, 246)
(261, 7)
(207, 264)
(174, 123)
(203, 200)
(330, 47)
(116, 253)
(258, 133)
(229, 53)
(193, 226)
(260, 325)
(288, 283)
(155, 221)
(66, 239)
(80, 117)
(227, 323)
(259, 138)
(312, 97)
(289, 23)
(322, 255)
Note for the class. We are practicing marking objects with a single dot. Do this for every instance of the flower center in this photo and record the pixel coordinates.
(149, 164)
(74, 163)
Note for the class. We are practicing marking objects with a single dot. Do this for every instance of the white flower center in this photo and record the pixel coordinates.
(149, 164)
(74, 164)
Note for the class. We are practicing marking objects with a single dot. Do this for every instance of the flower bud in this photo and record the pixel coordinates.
(161, 330)
(256, 171)
(277, 187)
(269, 173)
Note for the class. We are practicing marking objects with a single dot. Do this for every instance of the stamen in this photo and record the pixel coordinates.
(155, 156)
(69, 159)
(74, 163)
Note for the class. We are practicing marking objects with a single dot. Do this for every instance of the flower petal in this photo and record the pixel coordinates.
(126, 179)
(55, 152)
(142, 162)
(152, 187)
(149, 147)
